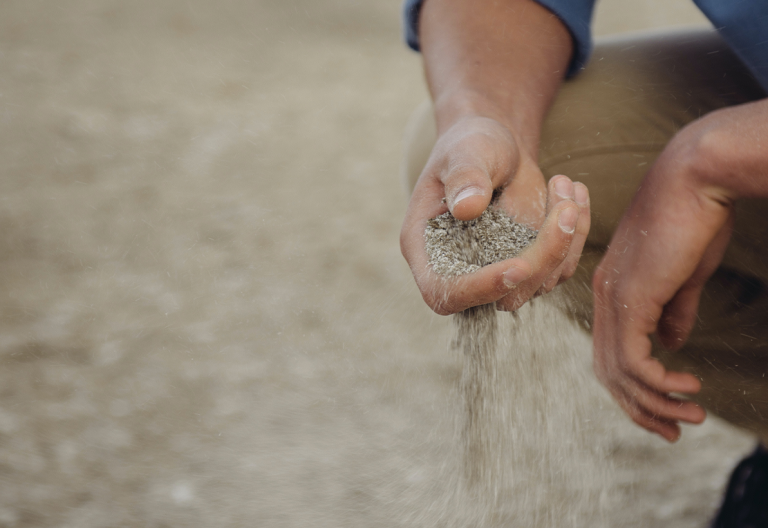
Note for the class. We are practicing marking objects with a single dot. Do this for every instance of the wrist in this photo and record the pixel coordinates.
(679, 201)
(723, 152)
(702, 166)
(455, 106)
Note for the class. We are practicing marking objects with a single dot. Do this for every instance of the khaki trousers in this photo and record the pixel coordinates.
(605, 129)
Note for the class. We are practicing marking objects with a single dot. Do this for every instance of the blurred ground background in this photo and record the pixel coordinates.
(204, 316)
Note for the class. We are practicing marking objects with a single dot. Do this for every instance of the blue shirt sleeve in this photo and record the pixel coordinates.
(411, 10)
(743, 24)
(576, 15)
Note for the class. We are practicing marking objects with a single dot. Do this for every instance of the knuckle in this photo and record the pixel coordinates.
(568, 271)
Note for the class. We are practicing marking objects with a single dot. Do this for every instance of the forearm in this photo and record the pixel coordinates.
(500, 59)
(726, 152)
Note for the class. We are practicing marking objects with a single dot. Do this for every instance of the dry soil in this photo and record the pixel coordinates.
(205, 319)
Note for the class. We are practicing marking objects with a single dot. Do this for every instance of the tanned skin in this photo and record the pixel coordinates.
(493, 69)
(669, 242)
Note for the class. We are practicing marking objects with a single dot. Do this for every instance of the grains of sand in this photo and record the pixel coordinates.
(456, 247)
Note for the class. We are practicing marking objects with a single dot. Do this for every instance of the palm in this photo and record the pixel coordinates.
(469, 161)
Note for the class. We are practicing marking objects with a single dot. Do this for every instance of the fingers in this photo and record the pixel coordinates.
(581, 195)
(654, 410)
(514, 280)
(509, 283)
(546, 254)
(668, 243)
(667, 429)
(451, 295)
(650, 372)
(469, 162)
(649, 383)
(560, 188)
(623, 352)
(487, 285)
(640, 383)
(651, 409)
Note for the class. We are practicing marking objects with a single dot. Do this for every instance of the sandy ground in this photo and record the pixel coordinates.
(205, 319)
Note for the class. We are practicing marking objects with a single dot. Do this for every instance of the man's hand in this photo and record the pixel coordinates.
(493, 69)
(670, 241)
(471, 159)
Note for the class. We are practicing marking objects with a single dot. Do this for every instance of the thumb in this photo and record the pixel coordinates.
(478, 156)
(468, 191)
(680, 312)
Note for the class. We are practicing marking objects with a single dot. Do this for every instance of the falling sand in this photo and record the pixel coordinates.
(455, 248)
(527, 456)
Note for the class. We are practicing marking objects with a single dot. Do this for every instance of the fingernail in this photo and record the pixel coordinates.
(582, 194)
(564, 188)
(567, 219)
(466, 193)
(514, 276)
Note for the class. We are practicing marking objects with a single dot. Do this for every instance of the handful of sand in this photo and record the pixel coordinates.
(456, 247)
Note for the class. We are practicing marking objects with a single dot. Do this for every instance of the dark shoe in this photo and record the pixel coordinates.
(746, 499)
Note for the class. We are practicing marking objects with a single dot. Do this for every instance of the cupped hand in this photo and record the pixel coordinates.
(669, 242)
(471, 159)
